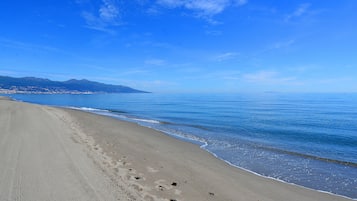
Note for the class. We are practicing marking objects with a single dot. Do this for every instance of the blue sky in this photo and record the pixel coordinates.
(185, 45)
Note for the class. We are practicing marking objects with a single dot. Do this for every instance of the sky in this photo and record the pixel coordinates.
(184, 45)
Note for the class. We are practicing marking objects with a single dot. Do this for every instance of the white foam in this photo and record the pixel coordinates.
(272, 178)
(145, 120)
(88, 109)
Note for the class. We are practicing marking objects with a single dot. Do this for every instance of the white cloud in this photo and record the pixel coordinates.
(301, 10)
(203, 8)
(171, 3)
(108, 11)
(153, 10)
(226, 56)
(91, 19)
(207, 7)
(104, 17)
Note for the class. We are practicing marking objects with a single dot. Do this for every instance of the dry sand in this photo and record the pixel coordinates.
(60, 154)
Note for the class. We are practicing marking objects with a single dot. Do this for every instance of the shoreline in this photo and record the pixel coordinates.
(195, 143)
(152, 165)
(241, 168)
(212, 154)
(278, 180)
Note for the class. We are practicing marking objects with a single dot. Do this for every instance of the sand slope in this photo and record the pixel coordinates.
(39, 160)
(57, 154)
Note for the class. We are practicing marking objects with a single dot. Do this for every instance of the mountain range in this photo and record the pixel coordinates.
(33, 85)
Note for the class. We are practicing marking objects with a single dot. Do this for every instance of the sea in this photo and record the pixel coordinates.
(305, 139)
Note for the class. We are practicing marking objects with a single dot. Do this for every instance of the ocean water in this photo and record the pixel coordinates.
(304, 139)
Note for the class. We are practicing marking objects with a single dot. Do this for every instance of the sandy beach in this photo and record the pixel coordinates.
(49, 153)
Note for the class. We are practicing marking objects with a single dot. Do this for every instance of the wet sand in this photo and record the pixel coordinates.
(51, 153)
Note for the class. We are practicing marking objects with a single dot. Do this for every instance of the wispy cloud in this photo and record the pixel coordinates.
(9, 73)
(36, 73)
(213, 32)
(149, 85)
(133, 72)
(299, 11)
(268, 77)
(155, 62)
(278, 45)
(230, 75)
(108, 11)
(203, 8)
(103, 18)
(283, 44)
(207, 8)
(226, 56)
(9, 43)
(201, 74)
(108, 14)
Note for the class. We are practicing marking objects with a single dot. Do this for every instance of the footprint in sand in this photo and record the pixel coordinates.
(151, 170)
(162, 185)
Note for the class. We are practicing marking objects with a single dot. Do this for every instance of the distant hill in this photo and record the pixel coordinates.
(45, 86)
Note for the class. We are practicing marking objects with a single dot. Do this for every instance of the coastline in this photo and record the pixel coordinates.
(145, 164)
